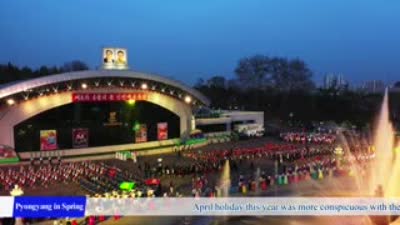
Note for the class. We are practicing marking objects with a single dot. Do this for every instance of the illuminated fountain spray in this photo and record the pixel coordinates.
(257, 176)
(225, 179)
(383, 172)
(385, 169)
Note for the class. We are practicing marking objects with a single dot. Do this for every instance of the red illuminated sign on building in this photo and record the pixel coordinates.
(108, 97)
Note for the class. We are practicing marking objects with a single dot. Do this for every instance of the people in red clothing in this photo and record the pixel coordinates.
(311, 137)
(102, 218)
(45, 175)
(92, 220)
(117, 217)
(264, 185)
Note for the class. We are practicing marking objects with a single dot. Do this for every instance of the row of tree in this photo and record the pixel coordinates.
(284, 90)
(264, 73)
(10, 72)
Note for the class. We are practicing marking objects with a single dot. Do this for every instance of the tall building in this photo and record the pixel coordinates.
(334, 81)
(374, 86)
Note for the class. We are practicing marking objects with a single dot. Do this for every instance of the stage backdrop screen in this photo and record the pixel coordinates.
(48, 140)
(162, 131)
(115, 58)
(141, 134)
(80, 137)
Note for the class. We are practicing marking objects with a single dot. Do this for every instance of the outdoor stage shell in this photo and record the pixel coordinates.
(24, 99)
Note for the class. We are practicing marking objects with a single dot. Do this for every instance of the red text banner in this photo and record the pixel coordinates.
(108, 97)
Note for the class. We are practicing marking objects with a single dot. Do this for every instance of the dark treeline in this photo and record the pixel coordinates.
(284, 90)
(10, 72)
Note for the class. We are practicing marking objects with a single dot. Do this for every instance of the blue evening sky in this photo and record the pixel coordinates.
(191, 39)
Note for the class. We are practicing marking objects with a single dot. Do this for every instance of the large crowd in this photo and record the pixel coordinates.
(34, 176)
(93, 177)
(291, 163)
(98, 177)
(308, 137)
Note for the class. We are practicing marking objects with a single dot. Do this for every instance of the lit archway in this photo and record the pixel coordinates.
(26, 99)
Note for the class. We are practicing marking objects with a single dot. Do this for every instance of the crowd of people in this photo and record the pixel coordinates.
(289, 163)
(308, 137)
(293, 163)
(35, 176)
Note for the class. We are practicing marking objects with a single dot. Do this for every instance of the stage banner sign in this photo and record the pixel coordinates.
(109, 97)
(162, 131)
(48, 140)
(141, 134)
(80, 137)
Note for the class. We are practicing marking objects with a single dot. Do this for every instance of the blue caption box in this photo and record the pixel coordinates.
(49, 207)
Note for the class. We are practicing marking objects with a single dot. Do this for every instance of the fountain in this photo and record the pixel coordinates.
(257, 176)
(225, 179)
(382, 173)
(385, 170)
(385, 161)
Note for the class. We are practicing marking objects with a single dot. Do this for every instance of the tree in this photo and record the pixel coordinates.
(74, 65)
(216, 82)
(199, 83)
(254, 72)
(261, 72)
(54, 70)
(291, 75)
(10, 72)
(397, 84)
(43, 70)
(217, 90)
(26, 71)
(233, 84)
